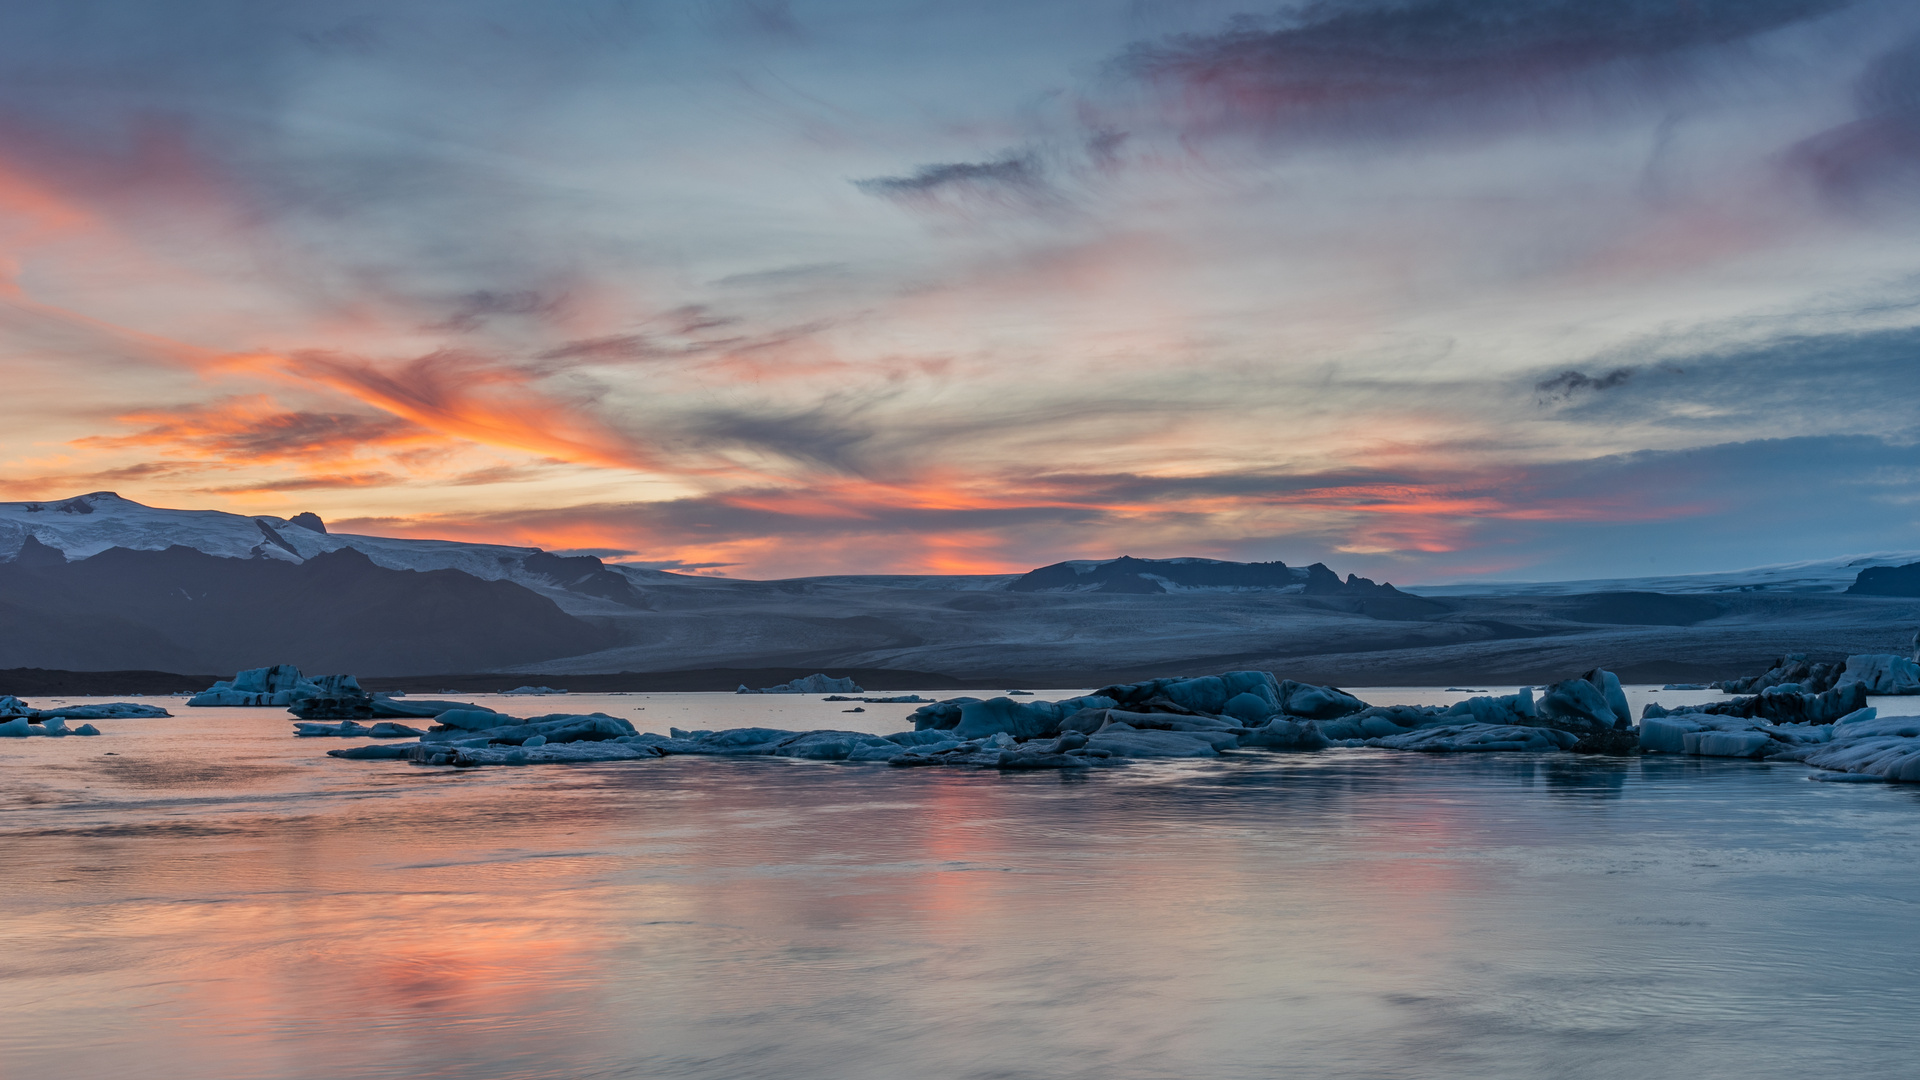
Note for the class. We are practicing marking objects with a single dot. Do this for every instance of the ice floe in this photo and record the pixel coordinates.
(13, 707)
(52, 726)
(812, 684)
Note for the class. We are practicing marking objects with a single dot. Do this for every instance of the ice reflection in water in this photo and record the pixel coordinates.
(237, 905)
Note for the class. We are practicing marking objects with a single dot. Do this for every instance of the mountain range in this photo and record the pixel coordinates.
(98, 582)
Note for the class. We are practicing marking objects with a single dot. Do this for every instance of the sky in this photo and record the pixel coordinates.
(1430, 290)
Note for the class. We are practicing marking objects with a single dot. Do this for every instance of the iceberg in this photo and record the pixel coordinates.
(254, 687)
(1888, 757)
(113, 710)
(1477, 738)
(531, 691)
(348, 729)
(53, 727)
(11, 706)
(812, 684)
(1882, 674)
(1786, 703)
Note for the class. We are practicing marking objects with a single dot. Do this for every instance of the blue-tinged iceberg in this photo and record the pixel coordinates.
(281, 684)
(11, 706)
(52, 726)
(812, 684)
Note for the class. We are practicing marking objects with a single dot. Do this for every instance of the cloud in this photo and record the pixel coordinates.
(473, 397)
(307, 483)
(1686, 511)
(1877, 155)
(1012, 180)
(1568, 383)
(252, 429)
(473, 309)
(1336, 62)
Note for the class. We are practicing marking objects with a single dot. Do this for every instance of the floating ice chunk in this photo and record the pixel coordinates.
(1023, 719)
(54, 727)
(1122, 740)
(1873, 726)
(556, 728)
(878, 752)
(812, 684)
(1734, 744)
(572, 753)
(1593, 702)
(421, 708)
(1889, 757)
(531, 691)
(474, 719)
(115, 710)
(1882, 673)
(1283, 734)
(374, 751)
(1664, 734)
(350, 729)
(1472, 738)
(11, 706)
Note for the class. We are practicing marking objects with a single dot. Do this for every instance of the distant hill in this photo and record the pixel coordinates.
(1887, 581)
(1127, 574)
(184, 610)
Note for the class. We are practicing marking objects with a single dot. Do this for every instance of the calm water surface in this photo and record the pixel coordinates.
(206, 897)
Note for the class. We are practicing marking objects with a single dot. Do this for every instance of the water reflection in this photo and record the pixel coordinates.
(238, 905)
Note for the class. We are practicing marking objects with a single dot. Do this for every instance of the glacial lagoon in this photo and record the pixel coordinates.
(208, 897)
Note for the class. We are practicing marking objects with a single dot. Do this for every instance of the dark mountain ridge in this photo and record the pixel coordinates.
(1127, 574)
(185, 610)
(1887, 581)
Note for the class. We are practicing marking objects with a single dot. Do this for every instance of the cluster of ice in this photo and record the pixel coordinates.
(1879, 673)
(1883, 674)
(1861, 743)
(483, 737)
(901, 699)
(1886, 748)
(385, 729)
(1159, 718)
(1786, 703)
(13, 708)
(531, 691)
(281, 684)
(1205, 717)
(812, 684)
(322, 697)
(53, 726)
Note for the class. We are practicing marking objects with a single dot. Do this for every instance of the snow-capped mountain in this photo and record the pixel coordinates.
(86, 525)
